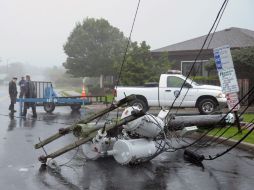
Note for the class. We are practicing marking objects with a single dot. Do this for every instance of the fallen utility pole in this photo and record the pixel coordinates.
(64, 131)
(137, 139)
(179, 122)
(90, 136)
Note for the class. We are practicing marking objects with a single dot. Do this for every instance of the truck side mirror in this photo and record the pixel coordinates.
(187, 85)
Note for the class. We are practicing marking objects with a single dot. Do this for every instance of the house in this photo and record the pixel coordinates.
(184, 53)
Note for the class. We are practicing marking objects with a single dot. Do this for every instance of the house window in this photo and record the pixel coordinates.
(198, 69)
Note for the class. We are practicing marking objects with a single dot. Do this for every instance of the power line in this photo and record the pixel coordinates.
(229, 149)
(128, 44)
(217, 24)
(206, 48)
(118, 79)
(214, 138)
(124, 57)
(205, 134)
(200, 51)
(245, 128)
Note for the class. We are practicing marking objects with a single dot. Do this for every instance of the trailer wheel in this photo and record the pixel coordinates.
(49, 107)
(207, 106)
(75, 107)
(140, 104)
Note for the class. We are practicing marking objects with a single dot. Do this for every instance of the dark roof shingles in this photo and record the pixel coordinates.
(234, 37)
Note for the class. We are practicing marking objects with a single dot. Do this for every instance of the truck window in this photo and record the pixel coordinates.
(173, 81)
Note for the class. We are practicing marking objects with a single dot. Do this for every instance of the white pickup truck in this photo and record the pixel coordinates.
(207, 98)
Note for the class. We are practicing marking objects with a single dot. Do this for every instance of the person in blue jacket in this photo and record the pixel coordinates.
(22, 84)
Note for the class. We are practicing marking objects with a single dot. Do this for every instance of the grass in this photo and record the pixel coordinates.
(248, 117)
(232, 131)
(110, 97)
(78, 90)
(63, 93)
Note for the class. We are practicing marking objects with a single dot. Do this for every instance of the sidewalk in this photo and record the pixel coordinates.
(72, 93)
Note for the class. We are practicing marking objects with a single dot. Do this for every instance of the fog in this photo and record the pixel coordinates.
(19, 69)
(33, 32)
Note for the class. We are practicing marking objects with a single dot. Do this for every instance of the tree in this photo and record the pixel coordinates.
(93, 48)
(244, 62)
(54, 73)
(141, 66)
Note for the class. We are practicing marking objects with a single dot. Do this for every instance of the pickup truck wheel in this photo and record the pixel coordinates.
(140, 104)
(75, 107)
(206, 106)
(49, 107)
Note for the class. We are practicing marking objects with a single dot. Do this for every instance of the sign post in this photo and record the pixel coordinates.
(228, 80)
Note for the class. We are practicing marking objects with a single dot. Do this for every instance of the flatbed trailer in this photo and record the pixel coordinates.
(46, 97)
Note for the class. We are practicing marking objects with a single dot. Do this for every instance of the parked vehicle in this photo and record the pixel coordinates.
(207, 98)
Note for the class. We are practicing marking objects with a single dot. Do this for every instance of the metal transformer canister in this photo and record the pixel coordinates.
(98, 146)
(132, 151)
(146, 126)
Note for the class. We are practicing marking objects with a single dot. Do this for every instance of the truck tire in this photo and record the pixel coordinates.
(49, 107)
(75, 107)
(206, 106)
(140, 104)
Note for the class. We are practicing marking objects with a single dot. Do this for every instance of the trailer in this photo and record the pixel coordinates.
(48, 98)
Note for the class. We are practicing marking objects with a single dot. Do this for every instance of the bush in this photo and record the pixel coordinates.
(96, 91)
(213, 80)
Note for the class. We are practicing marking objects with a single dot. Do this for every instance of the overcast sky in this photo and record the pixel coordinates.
(34, 31)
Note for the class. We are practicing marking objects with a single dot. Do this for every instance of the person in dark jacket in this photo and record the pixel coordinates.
(22, 83)
(30, 92)
(13, 94)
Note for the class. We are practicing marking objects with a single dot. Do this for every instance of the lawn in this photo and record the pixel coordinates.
(233, 130)
(109, 96)
(248, 117)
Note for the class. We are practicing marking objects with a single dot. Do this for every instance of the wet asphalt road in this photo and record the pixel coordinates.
(20, 169)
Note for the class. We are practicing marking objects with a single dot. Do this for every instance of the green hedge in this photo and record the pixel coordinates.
(213, 80)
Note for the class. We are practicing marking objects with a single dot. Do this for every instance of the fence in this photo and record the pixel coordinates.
(244, 87)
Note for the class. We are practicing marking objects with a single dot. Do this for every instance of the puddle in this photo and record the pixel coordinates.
(23, 169)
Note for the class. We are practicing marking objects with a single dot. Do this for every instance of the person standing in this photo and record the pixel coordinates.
(13, 94)
(22, 83)
(30, 92)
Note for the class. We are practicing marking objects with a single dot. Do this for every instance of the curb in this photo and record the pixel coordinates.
(243, 145)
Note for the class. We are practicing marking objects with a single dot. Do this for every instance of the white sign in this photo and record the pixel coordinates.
(223, 58)
(226, 71)
(232, 100)
(225, 68)
(228, 81)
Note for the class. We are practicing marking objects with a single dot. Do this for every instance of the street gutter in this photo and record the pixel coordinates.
(230, 142)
